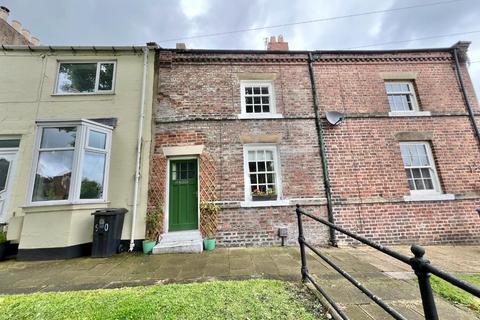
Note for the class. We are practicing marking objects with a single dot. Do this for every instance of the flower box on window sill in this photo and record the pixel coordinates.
(266, 197)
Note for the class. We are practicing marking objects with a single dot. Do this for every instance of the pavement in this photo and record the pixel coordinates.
(389, 279)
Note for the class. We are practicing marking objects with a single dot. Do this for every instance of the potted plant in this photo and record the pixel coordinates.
(209, 212)
(152, 229)
(268, 195)
(3, 244)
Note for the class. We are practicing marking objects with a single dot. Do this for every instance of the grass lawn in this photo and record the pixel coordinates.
(455, 294)
(252, 299)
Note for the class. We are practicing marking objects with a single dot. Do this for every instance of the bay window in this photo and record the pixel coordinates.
(71, 162)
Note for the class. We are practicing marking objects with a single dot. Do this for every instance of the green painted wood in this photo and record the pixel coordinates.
(183, 198)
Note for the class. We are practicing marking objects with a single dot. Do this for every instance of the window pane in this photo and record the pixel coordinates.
(252, 167)
(426, 173)
(258, 108)
(248, 90)
(261, 166)
(256, 90)
(105, 80)
(270, 166)
(58, 137)
(251, 155)
(419, 184)
(256, 100)
(52, 180)
(92, 176)
(248, 100)
(266, 108)
(13, 143)
(4, 168)
(97, 139)
(265, 100)
(261, 178)
(76, 77)
(416, 173)
(261, 155)
(270, 177)
(253, 178)
(249, 109)
(264, 90)
(428, 184)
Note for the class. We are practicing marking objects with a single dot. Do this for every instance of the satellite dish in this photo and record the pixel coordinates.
(334, 117)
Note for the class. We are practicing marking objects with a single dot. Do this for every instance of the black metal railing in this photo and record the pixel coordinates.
(420, 265)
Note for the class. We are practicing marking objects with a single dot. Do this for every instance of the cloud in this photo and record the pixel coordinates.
(117, 22)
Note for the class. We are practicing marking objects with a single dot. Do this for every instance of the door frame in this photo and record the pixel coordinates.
(167, 192)
(10, 180)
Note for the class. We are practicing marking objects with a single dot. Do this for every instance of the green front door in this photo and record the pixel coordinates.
(183, 201)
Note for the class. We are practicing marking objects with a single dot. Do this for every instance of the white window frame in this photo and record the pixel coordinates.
(411, 92)
(81, 140)
(435, 181)
(278, 175)
(272, 101)
(97, 77)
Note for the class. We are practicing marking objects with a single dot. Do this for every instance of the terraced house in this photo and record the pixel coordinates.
(247, 131)
(72, 122)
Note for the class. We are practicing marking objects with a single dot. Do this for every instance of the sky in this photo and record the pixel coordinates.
(127, 22)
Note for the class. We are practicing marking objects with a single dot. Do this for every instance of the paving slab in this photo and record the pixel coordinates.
(391, 280)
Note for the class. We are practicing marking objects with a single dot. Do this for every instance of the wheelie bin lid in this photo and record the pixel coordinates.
(110, 211)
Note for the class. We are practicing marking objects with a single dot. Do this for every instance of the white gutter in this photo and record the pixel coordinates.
(139, 148)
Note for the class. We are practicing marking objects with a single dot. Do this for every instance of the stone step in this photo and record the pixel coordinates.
(180, 242)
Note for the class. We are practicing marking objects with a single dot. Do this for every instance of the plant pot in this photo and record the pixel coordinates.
(267, 197)
(148, 245)
(209, 244)
(3, 249)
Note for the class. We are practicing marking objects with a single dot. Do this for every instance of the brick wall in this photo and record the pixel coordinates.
(198, 102)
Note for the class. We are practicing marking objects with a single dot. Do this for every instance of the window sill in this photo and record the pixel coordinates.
(260, 116)
(40, 207)
(255, 204)
(83, 94)
(429, 197)
(409, 113)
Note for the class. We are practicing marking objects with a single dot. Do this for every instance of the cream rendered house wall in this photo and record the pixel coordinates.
(27, 83)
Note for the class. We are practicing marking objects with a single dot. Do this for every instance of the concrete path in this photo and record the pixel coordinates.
(390, 280)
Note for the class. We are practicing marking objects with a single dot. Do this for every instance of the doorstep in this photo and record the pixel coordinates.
(180, 242)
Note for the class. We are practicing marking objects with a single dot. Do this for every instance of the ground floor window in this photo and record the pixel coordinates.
(71, 162)
(262, 181)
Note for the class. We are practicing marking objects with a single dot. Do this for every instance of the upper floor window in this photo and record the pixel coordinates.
(258, 98)
(420, 168)
(401, 96)
(71, 162)
(261, 173)
(85, 77)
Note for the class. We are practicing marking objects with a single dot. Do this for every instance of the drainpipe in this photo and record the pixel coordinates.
(139, 148)
(323, 153)
(465, 95)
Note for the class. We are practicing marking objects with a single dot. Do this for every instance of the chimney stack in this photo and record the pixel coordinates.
(181, 46)
(277, 44)
(4, 13)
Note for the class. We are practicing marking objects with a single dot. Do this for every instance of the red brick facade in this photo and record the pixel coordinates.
(199, 101)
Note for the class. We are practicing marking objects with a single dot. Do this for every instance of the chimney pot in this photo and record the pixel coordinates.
(4, 13)
(16, 25)
(181, 46)
(35, 41)
(26, 34)
(272, 39)
(280, 38)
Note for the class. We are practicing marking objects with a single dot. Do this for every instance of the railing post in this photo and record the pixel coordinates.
(418, 263)
(301, 242)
